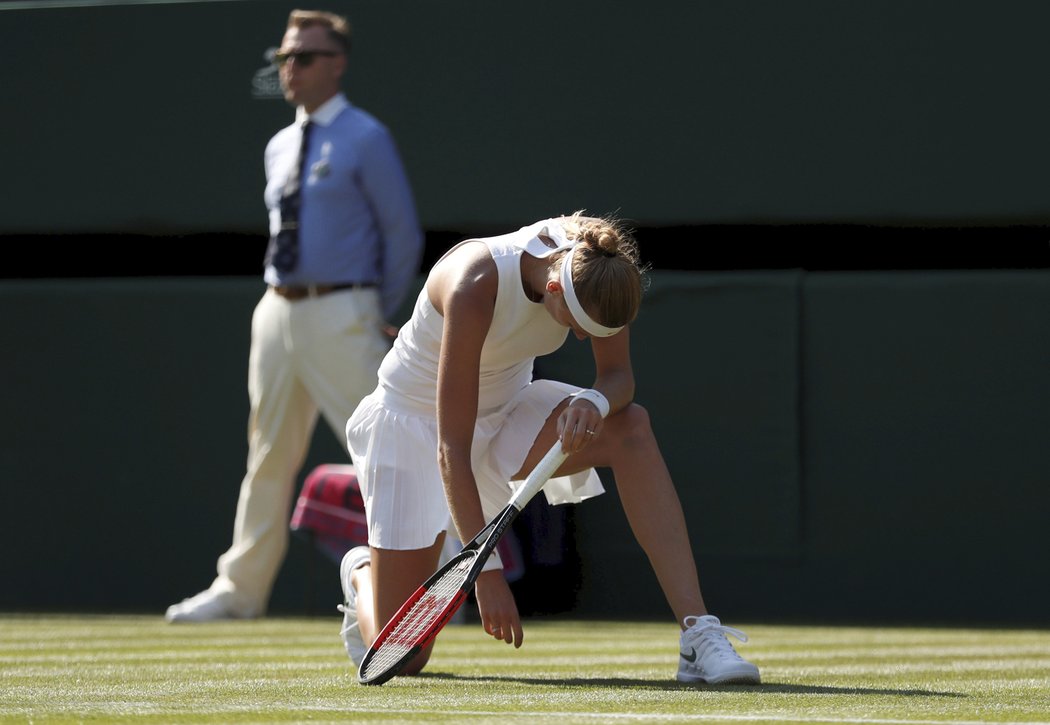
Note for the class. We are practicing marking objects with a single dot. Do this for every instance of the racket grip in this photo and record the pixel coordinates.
(539, 476)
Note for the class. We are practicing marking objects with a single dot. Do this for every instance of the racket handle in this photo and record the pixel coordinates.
(539, 476)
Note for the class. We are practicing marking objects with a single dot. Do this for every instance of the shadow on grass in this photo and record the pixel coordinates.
(620, 682)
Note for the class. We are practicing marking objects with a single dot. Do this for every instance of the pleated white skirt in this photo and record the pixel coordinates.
(394, 448)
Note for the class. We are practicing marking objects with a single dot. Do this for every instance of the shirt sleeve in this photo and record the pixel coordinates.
(389, 193)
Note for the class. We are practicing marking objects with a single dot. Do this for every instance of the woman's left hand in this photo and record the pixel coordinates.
(579, 424)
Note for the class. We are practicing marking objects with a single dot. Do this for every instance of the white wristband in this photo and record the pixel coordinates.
(593, 396)
(493, 563)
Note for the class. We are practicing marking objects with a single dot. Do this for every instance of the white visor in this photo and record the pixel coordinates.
(582, 318)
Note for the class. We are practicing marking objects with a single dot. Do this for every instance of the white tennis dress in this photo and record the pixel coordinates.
(393, 434)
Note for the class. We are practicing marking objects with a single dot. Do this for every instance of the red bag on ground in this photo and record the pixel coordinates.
(330, 511)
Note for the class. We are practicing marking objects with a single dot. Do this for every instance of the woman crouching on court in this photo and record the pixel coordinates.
(457, 416)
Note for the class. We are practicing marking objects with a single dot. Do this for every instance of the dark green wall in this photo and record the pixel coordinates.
(142, 118)
(847, 445)
(853, 446)
(124, 442)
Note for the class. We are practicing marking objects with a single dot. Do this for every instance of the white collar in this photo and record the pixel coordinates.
(325, 113)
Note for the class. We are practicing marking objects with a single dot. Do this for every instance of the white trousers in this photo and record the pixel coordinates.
(313, 356)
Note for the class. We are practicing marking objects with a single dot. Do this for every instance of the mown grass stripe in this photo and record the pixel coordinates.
(140, 670)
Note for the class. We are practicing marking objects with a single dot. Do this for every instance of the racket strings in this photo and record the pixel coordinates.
(420, 618)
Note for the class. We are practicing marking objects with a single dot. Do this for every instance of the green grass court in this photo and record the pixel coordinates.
(138, 669)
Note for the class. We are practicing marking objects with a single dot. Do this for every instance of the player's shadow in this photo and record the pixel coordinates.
(623, 682)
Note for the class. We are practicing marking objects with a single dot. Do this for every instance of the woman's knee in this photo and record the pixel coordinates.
(417, 663)
(630, 425)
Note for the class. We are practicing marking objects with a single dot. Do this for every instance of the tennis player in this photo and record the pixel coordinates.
(457, 416)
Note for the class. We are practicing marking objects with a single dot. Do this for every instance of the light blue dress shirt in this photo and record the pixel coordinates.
(358, 220)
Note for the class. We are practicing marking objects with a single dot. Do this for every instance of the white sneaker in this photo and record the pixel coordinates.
(208, 606)
(707, 656)
(351, 633)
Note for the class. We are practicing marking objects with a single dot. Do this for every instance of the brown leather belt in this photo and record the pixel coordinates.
(301, 292)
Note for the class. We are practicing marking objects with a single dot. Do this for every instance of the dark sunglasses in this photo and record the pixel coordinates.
(303, 58)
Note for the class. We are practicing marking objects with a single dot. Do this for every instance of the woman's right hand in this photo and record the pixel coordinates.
(499, 612)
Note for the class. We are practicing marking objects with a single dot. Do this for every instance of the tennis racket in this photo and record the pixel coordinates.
(418, 621)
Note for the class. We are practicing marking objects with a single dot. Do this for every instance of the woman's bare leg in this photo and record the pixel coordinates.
(385, 583)
(628, 446)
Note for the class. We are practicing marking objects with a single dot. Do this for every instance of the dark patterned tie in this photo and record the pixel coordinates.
(283, 250)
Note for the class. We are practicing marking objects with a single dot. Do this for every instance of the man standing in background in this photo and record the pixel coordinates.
(345, 248)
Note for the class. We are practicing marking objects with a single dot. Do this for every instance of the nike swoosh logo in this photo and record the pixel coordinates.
(691, 657)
